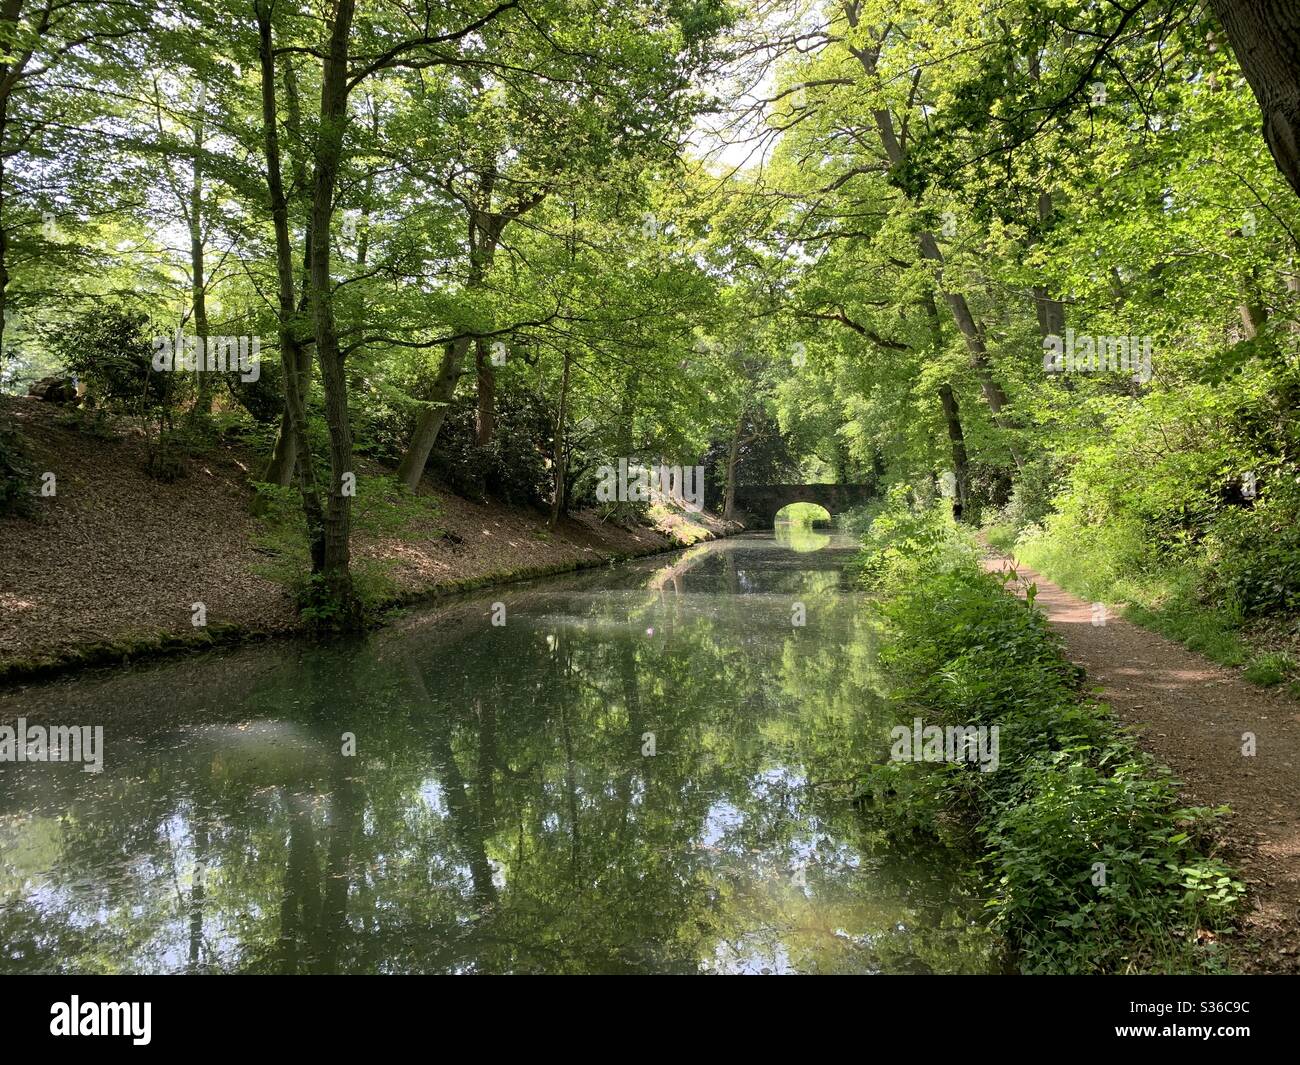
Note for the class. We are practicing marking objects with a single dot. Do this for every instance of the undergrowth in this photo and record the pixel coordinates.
(1090, 863)
(1224, 596)
(382, 508)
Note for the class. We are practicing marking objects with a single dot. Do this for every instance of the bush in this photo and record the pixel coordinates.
(263, 399)
(16, 484)
(514, 467)
(110, 349)
(1030, 500)
(1251, 557)
(857, 520)
(1089, 861)
(902, 538)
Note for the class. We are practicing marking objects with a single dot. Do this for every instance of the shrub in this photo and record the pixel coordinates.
(1090, 863)
(514, 466)
(110, 349)
(1251, 561)
(857, 520)
(16, 485)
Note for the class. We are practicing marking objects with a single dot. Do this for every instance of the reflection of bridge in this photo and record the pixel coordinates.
(764, 500)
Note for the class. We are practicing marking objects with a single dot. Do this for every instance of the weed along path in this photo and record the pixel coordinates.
(1228, 741)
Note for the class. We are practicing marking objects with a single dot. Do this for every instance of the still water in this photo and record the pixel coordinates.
(644, 768)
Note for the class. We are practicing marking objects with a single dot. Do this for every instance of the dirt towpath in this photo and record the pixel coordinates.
(1194, 716)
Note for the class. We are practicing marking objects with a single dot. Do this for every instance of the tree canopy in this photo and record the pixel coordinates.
(1038, 256)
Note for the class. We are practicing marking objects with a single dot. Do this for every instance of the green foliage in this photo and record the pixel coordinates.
(1121, 182)
(824, 314)
(110, 349)
(1250, 560)
(1030, 501)
(328, 605)
(1270, 669)
(902, 538)
(1206, 590)
(1088, 813)
(1070, 791)
(263, 399)
(17, 484)
(764, 455)
(805, 514)
(513, 466)
(857, 520)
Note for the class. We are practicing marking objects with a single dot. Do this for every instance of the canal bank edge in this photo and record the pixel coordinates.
(668, 537)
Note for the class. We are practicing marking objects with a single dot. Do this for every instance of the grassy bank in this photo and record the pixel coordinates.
(133, 647)
(1088, 860)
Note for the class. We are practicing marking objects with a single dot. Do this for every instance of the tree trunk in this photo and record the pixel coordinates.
(294, 419)
(363, 238)
(970, 331)
(733, 457)
(426, 431)
(1265, 36)
(560, 452)
(961, 467)
(9, 12)
(485, 228)
(4, 248)
(1051, 312)
(1253, 315)
(337, 579)
(487, 395)
(198, 277)
(952, 418)
(627, 414)
(280, 467)
(284, 453)
(484, 231)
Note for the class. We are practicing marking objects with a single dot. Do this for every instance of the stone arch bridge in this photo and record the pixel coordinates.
(762, 501)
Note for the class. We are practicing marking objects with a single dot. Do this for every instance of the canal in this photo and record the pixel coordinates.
(643, 768)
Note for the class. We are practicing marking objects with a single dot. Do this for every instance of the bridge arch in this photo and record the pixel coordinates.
(812, 514)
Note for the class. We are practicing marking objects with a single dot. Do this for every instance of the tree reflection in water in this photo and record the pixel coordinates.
(499, 815)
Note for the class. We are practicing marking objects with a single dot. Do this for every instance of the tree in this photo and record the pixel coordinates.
(1265, 35)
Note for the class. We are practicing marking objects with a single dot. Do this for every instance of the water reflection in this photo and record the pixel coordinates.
(501, 813)
(798, 536)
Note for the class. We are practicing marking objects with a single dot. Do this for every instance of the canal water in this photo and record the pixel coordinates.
(644, 768)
